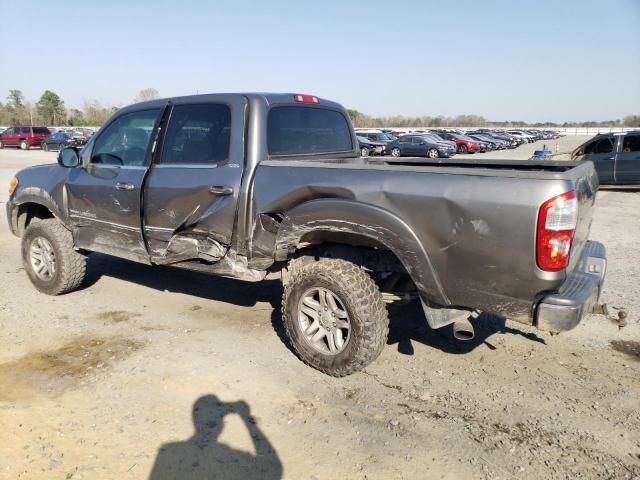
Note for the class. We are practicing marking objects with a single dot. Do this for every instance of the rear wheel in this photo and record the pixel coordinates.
(1, 145)
(395, 152)
(432, 153)
(49, 258)
(45, 147)
(334, 315)
(24, 145)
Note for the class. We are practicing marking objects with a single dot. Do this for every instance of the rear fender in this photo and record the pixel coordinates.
(377, 224)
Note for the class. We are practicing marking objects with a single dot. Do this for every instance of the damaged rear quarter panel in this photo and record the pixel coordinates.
(467, 240)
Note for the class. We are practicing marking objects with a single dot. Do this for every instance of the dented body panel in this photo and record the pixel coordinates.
(465, 231)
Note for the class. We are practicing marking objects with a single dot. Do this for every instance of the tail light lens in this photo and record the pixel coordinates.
(557, 219)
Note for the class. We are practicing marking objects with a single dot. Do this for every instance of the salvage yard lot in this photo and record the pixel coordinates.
(95, 383)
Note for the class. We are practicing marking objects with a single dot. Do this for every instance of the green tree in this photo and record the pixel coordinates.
(76, 118)
(51, 108)
(15, 99)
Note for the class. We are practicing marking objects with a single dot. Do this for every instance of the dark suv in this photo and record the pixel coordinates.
(616, 157)
(23, 137)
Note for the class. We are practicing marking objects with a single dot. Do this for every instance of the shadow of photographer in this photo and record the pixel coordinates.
(203, 457)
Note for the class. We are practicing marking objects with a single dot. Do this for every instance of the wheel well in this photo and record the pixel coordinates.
(27, 212)
(361, 250)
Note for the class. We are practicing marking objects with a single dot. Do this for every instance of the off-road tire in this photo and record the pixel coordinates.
(364, 305)
(70, 265)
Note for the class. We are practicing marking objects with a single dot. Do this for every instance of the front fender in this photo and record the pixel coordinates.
(337, 215)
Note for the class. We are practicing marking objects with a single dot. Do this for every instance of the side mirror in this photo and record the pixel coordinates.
(68, 157)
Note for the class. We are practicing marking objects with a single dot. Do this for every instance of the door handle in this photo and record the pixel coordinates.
(125, 186)
(220, 190)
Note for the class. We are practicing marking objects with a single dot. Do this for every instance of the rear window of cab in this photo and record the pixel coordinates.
(297, 130)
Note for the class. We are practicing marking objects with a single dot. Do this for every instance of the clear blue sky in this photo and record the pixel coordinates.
(539, 60)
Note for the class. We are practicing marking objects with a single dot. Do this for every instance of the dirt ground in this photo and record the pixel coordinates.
(148, 370)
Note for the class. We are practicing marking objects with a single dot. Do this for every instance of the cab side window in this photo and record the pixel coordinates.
(631, 143)
(198, 134)
(604, 146)
(126, 141)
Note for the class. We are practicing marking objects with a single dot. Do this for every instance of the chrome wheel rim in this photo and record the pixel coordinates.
(395, 152)
(42, 258)
(433, 153)
(324, 321)
(364, 152)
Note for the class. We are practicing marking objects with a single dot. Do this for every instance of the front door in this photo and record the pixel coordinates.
(105, 193)
(192, 191)
(10, 137)
(602, 153)
(628, 160)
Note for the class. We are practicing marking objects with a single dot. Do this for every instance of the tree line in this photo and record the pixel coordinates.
(362, 120)
(50, 110)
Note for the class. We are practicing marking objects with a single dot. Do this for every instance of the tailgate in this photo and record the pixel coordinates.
(586, 186)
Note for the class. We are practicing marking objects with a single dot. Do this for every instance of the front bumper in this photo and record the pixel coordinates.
(578, 295)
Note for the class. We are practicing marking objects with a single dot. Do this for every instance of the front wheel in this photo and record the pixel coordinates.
(334, 315)
(364, 152)
(49, 258)
(462, 149)
(45, 147)
(1, 145)
(433, 153)
(395, 152)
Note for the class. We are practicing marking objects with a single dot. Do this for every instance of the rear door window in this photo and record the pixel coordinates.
(294, 130)
(41, 130)
(198, 134)
(25, 130)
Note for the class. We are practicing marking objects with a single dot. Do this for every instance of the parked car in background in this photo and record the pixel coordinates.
(419, 146)
(526, 138)
(23, 137)
(438, 139)
(616, 157)
(486, 145)
(498, 143)
(369, 147)
(463, 143)
(376, 135)
(56, 141)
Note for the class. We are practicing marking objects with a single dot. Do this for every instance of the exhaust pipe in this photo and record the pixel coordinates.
(463, 330)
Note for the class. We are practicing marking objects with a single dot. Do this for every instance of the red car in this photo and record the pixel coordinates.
(464, 144)
(23, 137)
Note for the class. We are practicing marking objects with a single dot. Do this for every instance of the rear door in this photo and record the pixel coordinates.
(191, 194)
(628, 160)
(104, 194)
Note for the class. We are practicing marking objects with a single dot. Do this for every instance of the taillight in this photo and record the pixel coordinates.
(557, 219)
(306, 99)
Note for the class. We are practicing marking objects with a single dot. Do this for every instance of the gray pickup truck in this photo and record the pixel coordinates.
(242, 185)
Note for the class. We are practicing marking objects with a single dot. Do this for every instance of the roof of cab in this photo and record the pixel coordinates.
(269, 98)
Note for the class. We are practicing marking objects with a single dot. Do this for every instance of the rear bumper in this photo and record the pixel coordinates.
(578, 295)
